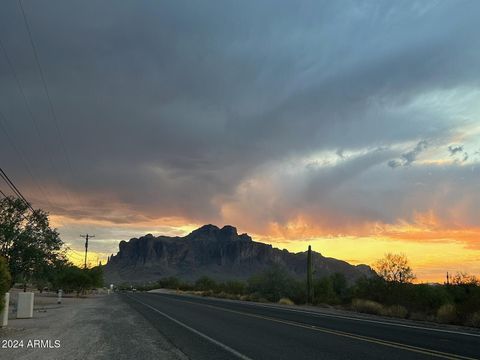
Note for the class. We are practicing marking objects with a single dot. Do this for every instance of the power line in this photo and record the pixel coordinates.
(45, 87)
(3, 122)
(11, 202)
(30, 113)
(14, 188)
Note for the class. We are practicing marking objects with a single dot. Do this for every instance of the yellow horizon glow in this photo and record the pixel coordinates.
(430, 253)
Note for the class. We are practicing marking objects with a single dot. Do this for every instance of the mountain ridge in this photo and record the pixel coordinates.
(220, 253)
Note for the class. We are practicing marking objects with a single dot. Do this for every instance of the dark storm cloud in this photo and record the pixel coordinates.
(455, 149)
(165, 107)
(409, 157)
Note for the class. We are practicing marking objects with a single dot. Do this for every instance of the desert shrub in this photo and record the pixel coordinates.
(233, 287)
(185, 286)
(367, 306)
(285, 301)
(170, 282)
(419, 316)
(274, 284)
(323, 291)
(420, 297)
(206, 293)
(205, 283)
(466, 298)
(372, 288)
(473, 320)
(447, 314)
(340, 286)
(397, 311)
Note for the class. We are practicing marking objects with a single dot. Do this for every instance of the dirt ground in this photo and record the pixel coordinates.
(95, 327)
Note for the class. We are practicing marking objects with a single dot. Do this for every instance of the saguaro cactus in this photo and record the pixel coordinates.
(309, 275)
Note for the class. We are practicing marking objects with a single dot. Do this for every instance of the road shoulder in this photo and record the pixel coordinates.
(102, 327)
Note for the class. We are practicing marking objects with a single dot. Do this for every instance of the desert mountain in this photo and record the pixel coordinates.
(219, 253)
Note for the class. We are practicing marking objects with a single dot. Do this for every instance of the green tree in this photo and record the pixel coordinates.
(96, 277)
(4, 280)
(27, 241)
(72, 278)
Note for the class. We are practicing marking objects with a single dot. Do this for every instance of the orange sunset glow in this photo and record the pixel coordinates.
(357, 134)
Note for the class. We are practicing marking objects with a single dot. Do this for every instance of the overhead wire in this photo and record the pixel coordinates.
(30, 112)
(14, 188)
(32, 118)
(45, 87)
(10, 200)
(48, 97)
(21, 155)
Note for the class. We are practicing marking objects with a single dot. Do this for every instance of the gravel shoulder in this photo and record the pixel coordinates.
(97, 327)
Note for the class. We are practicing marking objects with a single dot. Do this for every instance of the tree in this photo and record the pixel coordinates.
(462, 278)
(73, 278)
(27, 241)
(4, 280)
(395, 268)
(96, 276)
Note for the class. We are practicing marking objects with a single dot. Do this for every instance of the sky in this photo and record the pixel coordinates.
(353, 126)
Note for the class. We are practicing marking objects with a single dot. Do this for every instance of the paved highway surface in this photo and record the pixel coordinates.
(214, 329)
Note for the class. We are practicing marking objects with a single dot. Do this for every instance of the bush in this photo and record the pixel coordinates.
(420, 316)
(285, 301)
(5, 280)
(473, 320)
(205, 283)
(170, 282)
(233, 287)
(324, 292)
(73, 278)
(367, 307)
(447, 314)
(274, 284)
(397, 311)
(373, 288)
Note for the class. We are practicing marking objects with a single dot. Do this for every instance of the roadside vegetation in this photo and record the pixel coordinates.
(391, 293)
(33, 255)
(5, 280)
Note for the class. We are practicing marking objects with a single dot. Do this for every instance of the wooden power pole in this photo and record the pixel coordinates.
(86, 237)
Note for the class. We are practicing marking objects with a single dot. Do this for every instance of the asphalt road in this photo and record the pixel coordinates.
(213, 329)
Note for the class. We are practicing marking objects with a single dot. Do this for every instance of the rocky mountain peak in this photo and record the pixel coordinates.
(217, 252)
(214, 233)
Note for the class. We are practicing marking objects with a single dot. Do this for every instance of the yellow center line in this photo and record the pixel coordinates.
(393, 344)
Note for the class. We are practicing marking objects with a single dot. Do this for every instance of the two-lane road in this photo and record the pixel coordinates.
(214, 329)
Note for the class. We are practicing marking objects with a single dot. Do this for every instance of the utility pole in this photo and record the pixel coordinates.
(309, 275)
(86, 237)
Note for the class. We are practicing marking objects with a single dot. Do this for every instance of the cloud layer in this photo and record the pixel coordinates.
(336, 117)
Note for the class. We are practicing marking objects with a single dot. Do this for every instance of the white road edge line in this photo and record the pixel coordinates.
(206, 337)
(317, 314)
